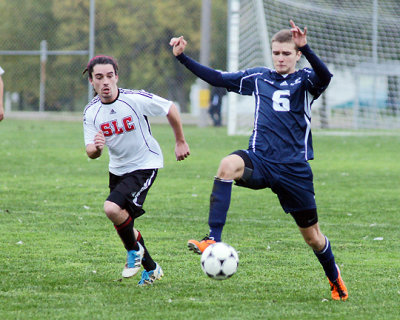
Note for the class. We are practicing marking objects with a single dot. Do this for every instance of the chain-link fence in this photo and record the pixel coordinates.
(357, 39)
(45, 48)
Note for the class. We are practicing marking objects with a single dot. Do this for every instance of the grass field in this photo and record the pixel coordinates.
(62, 259)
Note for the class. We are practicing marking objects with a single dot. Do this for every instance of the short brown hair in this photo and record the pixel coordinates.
(282, 36)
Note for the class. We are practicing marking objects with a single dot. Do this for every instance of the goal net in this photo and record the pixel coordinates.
(359, 40)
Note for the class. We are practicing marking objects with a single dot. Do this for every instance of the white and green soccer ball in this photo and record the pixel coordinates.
(219, 261)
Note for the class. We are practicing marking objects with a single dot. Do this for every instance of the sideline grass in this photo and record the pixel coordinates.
(61, 259)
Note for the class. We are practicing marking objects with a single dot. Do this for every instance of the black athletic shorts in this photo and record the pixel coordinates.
(130, 190)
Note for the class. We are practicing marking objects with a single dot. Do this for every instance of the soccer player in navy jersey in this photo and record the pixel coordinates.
(118, 118)
(280, 146)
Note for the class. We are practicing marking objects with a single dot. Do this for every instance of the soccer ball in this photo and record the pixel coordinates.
(219, 261)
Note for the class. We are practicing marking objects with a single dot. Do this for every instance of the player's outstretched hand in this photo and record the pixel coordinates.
(178, 45)
(299, 36)
(181, 151)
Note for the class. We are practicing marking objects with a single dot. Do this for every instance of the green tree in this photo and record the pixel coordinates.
(24, 25)
(136, 32)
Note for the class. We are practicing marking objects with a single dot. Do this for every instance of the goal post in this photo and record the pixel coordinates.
(241, 14)
(357, 39)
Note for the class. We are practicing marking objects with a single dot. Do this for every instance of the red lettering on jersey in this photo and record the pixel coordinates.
(116, 128)
(105, 127)
(110, 128)
(128, 123)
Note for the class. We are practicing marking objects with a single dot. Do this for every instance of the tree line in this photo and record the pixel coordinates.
(136, 33)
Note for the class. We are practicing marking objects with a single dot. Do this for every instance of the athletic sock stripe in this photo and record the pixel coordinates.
(124, 224)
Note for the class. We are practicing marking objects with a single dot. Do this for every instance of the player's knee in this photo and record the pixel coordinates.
(230, 168)
(111, 209)
(225, 168)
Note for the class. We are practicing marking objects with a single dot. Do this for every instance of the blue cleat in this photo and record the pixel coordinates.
(133, 262)
(148, 277)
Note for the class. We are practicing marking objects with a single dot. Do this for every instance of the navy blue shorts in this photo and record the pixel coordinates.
(130, 190)
(292, 182)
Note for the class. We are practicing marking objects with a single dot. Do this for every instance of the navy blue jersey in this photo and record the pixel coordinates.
(282, 120)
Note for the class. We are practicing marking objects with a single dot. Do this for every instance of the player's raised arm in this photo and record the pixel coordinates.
(300, 39)
(299, 36)
(213, 77)
(181, 147)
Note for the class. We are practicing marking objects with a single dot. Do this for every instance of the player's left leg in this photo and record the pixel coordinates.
(219, 117)
(295, 190)
(152, 270)
(212, 114)
(123, 224)
(322, 249)
(148, 277)
(147, 261)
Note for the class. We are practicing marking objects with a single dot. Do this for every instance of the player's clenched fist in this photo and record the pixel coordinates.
(99, 140)
(178, 45)
(181, 151)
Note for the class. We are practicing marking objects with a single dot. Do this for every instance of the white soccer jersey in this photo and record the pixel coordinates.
(1, 71)
(124, 124)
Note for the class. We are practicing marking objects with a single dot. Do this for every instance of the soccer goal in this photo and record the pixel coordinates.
(359, 40)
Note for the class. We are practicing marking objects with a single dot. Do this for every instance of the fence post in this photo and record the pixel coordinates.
(204, 92)
(43, 60)
(91, 41)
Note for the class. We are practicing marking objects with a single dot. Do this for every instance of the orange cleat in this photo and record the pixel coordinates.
(199, 246)
(338, 288)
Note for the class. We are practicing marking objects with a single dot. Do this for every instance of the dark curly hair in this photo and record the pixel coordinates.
(102, 59)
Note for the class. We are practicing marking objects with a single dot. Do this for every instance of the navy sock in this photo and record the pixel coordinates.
(327, 261)
(219, 204)
(125, 232)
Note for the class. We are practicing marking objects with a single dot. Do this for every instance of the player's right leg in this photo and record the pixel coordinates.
(123, 224)
(123, 205)
(199, 246)
(230, 169)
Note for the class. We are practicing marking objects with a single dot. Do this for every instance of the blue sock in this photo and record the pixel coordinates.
(219, 205)
(327, 261)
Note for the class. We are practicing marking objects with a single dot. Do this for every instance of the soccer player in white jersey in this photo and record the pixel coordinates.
(118, 118)
(280, 146)
(1, 94)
